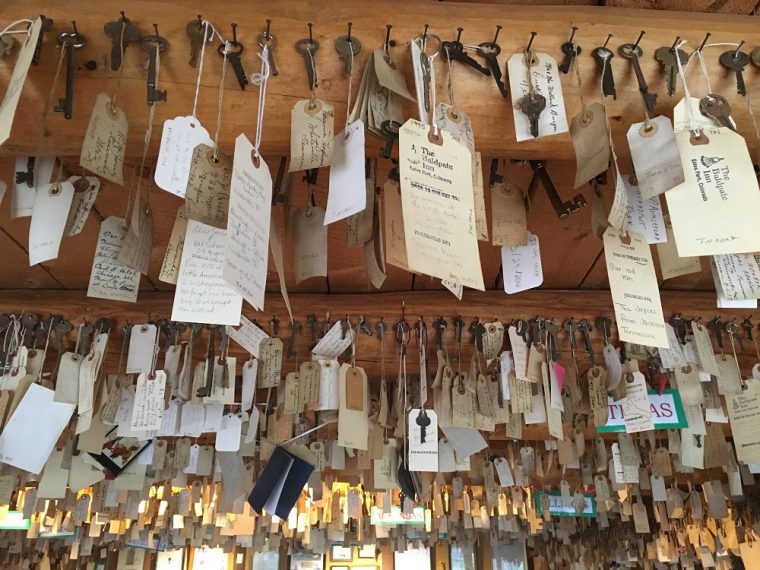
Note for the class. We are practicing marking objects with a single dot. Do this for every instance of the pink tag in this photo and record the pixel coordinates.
(661, 384)
(559, 374)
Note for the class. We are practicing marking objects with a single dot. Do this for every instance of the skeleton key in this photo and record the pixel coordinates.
(423, 421)
(29, 325)
(458, 324)
(348, 47)
(311, 322)
(667, 57)
(222, 360)
(490, 51)
(295, 327)
(736, 61)
(205, 390)
(717, 108)
(536, 330)
(716, 327)
(532, 106)
(27, 176)
(121, 32)
(152, 45)
(603, 56)
(478, 330)
(85, 338)
(748, 326)
(732, 329)
(234, 51)
(551, 339)
(440, 325)
(198, 32)
(364, 326)
(308, 47)
(571, 51)
(390, 130)
(562, 209)
(569, 325)
(70, 41)
(454, 51)
(633, 52)
(47, 25)
(585, 327)
(267, 39)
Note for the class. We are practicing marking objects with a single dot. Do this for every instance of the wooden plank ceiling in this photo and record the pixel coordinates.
(572, 255)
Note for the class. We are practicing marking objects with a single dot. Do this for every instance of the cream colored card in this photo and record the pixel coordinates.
(202, 295)
(179, 138)
(110, 279)
(655, 156)
(738, 275)
(173, 254)
(347, 192)
(509, 224)
(54, 478)
(85, 192)
(671, 264)
(636, 412)
(634, 289)
(546, 80)
(644, 216)
(437, 199)
(395, 242)
(353, 424)
(207, 195)
(708, 211)
(311, 134)
(591, 143)
(522, 266)
(618, 216)
(105, 141)
(148, 408)
(246, 246)
(309, 243)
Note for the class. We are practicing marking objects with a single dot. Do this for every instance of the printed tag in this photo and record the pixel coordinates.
(105, 141)
(179, 138)
(423, 451)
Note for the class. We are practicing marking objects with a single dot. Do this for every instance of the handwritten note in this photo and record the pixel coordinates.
(635, 293)
(591, 142)
(738, 275)
(545, 78)
(389, 75)
(110, 279)
(18, 78)
(522, 266)
(311, 134)
(671, 264)
(148, 408)
(708, 211)
(437, 199)
(617, 217)
(207, 195)
(105, 141)
(247, 335)
(173, 255)
(202, 295)
(655, 156)
(51, 210)
(509, 221)
(85, 193)
(246, 248)
(175, 156)
(334, 343)
(644, 216)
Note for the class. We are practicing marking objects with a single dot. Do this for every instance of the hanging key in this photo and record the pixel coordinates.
(311, 322)
(532, 105)
(633, 52)
(440, 325)
(562, 209)
(364, 326)
(348, 47)
(205, 390)
(571, 51)
(458, 325)
(733, 333)
(603, 57)
(121, 32)
(295, 328)
(222, 360)
(423, 421)
(26, 176)
(715, 326)
(585, 327)
(47, 25)
(552, 329)
(198, 32)
(390, 130)
(490, 51)
(454, 51)
(603, 325)
(267, 39)
(667, 57)
(70, 41)
(234, 51)
(736, 60)
(308, 47)
(717, 108)
(152, 45)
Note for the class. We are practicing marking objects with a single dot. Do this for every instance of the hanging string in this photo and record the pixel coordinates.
(350, 85)
(261, 79)
(312, 87)
(219, 101)
(121, 68)
(206, 24)
(451, 78)
(27, 31)
(577, 66)
(687, 96)
(53, 89)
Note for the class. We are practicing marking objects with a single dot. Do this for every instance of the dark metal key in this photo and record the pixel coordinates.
(121, 32)
(532, 106)
(490, 51)
(70, 41)
(267, 39)
(562, 208)
(717, 108)
(308, 47)
(198, 32)
(571, 51)
(667, 57)
(234, 51)
(152, 45)
(736, 60)
(454, 51)
(390, 130)
(633, 52)
(603, 57)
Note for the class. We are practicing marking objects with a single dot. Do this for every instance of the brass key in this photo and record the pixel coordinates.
(348, 47)
(197, 31)
(121, 32)
(267, 39)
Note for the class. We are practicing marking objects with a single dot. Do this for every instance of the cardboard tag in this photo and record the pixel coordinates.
(395, 240)
(173, 254)
(737, 276)
(508, 216)
(309, 243)
(85, 193)
(142, 345)
(179, 138)
(109, 278)
(618, 215)
(591, 142)
(644, 216)
(360, 226)
(655, 156)
(353, 421)
(148, 408)
(355, 396)
(522, 266)
(207, 194)
(671, 264)
(67, 382)
(138, 241)
(105, 141)
(270, 363)
(311, 134)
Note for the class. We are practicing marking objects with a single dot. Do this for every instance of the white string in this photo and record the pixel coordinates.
(350, 84)
(687, 95)
(27, 31)
(703, 65)
(261, 80)
(219, 101)
(206, 25)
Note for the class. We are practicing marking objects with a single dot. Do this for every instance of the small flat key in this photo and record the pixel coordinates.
(633, 52)
(717, 108)
(348, 48)
(603, 57)
(390, 130)
(736, 61)
(197, 32)
(234, 51)
(491, 51)
(121, 32)
(532, 106)
(667, 57)
(455, 51)
(308, 47)
(267, 39)
(423, 421)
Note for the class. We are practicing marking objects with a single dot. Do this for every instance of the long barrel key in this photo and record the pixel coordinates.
(70, 41)
(633, 52)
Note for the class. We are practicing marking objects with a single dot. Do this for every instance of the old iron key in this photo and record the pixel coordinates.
(308, 47)
(198, 32)
(667, 57)
(70, 41)
(532, 105)
(265, 38)
(121, 32)
(390, 130)
(348, 47)
(571, 51)
(717, 108)
(562, 209)
(454, 51)
(603, 57)
(490, 51)
(152, 45)
(47, 25)
(736, 60)
(633, 52)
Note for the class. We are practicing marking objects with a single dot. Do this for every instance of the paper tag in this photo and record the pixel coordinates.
(591, 143)
(703, 344)
(110, 279)
(645, 216)
(311, 135)
(250, 372)
(671, 264)
(395, 241)
(389, 75)
(655, 156)
(744, 415)
(18, 78)
(738, 275)
(179, 138)
(207, 194)
(597, 394)
(247, 239)
(423, 455)
(686, 118)
(360, 226)
(228, 437)
(545, 78)
(353, 421)
(51, 210)
(247, 335)
(148, 408)
(173, 254)
(508, 216)
(270, 363)
(728, 376)
(329, 385)
(67, 381)
(105, 141)
(721, 187)
(309, 243)
(85, 193)
(334, 343)
(347, 194)
(522, 266)
(138, 241)
(618, 215)
(202, 295)
(439, 222)
(142, 345)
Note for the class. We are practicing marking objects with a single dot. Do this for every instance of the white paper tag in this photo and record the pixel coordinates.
(247, 335)
(228, 437)
(737, 276)
(423, 455)
(250, 371)
(51, 210)
(636, 411)
(110, 279)
(334, 343)
(645, 216)
(25, 192)
(148, 409)
(142, 345)
(522, 266)
(655, 156)
(179, 138)
(347, 194)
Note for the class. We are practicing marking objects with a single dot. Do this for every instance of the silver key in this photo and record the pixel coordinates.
(717, 108)
(267, 39)
(348, 47)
